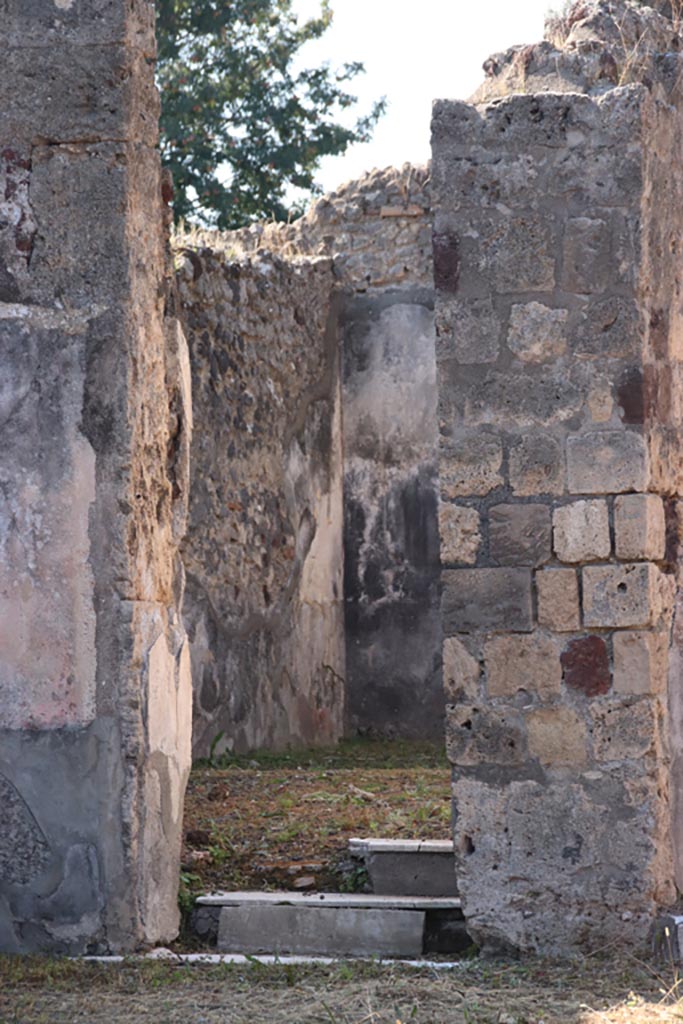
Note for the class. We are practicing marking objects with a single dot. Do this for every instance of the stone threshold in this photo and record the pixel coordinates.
(199, 959)
(359, 901)
(362, 847)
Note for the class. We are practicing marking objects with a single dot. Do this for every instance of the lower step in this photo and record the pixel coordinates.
(333, 924)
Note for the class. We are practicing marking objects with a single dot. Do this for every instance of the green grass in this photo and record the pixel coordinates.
(356, 753)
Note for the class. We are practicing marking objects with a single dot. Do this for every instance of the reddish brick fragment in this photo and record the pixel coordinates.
(586, 666)
(446, 260)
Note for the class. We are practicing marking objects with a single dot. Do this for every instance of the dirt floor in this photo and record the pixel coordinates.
(284, 821)
(593, 991)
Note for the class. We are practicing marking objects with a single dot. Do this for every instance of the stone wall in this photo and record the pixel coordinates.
(378, 232)
(263, 554)
(557, 266)
(94, 671)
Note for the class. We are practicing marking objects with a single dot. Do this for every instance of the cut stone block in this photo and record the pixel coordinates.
(620, 596)
(581, 531)
(529, 662)
(516, 254)
(557, 736)
(640, 662)
(586, 263)
(472, 467)
(461, 672)
(331, 931)
(470, 331)
(519, 534)
(607, 462)
(478, 735)
(460, 533)
(608, 327)
(558, 599)
(537, 332)
(537, 465)
(412, 874)
(624, 729)
(639, 527)
(490, 599)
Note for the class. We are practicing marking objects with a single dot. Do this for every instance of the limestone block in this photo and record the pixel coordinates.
(537, 332)
(483, 735)
(404, 873)
(112, 72)
(537, 465)
(586, 263)
(519, 534)
(639, 527)
(516, 253)
(608, 327)
(585, 662)
(640, 662)
(472, 466)
(600, 401)
(621, 595)
(607, 462)
(581, 531)
(459, 527)
(531, 854)
(64, 21)
(558, 599)
(490, 599)
(624, 729)
(557, 736)
(530, 396)
(469, 331)
(461, 672)
(529, 662)
(331, 931)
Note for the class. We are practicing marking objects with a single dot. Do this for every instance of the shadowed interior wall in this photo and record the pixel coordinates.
(378, 233)
(263, 554)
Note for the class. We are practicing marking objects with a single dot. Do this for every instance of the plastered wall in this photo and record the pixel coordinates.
(95, 690)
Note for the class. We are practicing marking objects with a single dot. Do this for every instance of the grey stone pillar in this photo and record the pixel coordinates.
(95, 694)
(557, 264)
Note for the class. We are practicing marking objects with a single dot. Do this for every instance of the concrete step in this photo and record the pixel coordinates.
(409, 867)
(331, 924)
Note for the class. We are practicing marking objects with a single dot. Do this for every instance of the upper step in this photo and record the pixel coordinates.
(360, 847)
(408, 867)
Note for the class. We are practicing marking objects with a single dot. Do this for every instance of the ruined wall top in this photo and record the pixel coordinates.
(593, 46)
(377, 229)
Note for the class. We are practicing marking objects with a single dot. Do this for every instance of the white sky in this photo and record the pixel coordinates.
(414, 51)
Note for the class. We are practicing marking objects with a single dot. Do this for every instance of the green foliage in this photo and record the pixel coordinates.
(240, 124)
(187, 890)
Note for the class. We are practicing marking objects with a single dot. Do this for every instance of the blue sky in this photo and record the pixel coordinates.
(414, 52)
